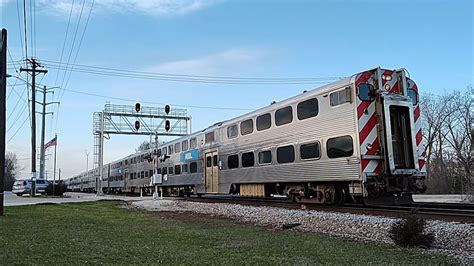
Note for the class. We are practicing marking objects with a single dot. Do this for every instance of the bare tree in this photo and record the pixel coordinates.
(435, 111)
(459, 138)
(11, 170)
(448, 135)
(144, 146)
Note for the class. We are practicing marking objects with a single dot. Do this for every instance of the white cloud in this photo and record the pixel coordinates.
(229, 61)
(4, 3)
(150, 7)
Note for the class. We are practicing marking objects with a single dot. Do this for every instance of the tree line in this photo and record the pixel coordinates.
(448, 134)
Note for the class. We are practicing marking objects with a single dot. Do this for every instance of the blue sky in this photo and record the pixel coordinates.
(433, 40)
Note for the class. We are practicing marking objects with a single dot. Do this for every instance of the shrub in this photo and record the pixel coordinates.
(408, 232)
(59, 189)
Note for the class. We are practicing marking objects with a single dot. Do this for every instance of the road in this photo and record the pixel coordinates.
(13, 200)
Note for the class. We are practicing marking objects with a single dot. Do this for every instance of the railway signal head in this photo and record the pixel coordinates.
(138, 107)
(137, 125)
(167, 109)
(167, 125)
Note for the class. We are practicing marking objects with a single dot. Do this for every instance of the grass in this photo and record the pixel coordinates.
(102, 232)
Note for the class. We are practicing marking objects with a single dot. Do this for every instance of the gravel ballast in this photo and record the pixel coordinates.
(453, 238)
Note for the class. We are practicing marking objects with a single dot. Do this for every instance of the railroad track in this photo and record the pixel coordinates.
(435, 211)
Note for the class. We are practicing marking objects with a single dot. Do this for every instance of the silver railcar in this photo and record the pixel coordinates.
(358, 138)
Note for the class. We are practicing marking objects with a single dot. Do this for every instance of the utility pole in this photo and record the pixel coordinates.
(43, 125)
(33, 71)
(3, 96)
(87, 161)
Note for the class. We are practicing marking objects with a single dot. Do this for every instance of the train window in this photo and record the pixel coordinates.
(177, 169)
(142, 175)
(208, 161)
(209, 137)
(310, 151)
(184, 145)
(214, 160)
(164, 151)
(264, 122)
(286, 154)
(146, 173)
(248, 159)
(232, 131)
(307, 109)
(193, 143)
(185, 168)
(246, 127)
(177, 147)
(158, 171)
(193, 167)
(126, 162)
(233, 161)
(170, 149)
(264, 157)
(366, 91)
(340, 97)
(284, 116)
(150, 173)
(164, 171)
(339, 147)
(170, 170)
(413, 96)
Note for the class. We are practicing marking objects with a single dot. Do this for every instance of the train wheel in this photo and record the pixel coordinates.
(340, 196)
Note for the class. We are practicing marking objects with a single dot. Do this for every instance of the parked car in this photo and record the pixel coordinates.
(21, 187)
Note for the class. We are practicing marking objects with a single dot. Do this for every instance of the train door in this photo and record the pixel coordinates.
(125, 181)
(212, 172)
(399, 124)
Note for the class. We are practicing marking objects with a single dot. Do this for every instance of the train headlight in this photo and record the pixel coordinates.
(387, 77)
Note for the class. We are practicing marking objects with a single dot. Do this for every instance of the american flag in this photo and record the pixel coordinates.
(52, 142)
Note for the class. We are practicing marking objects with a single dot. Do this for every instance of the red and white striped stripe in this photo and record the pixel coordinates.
(419, 134)
(368, 121)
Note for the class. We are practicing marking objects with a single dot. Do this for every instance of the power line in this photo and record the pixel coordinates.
(26, 33)
(34, 23)
(64, 42)
(17, 117)
(16, 80)
(19, 26)
(31, 28)
(73, 42)
(191, 80)
(169, 75)
(156, 103)
(14, 134)
(80, 42)
(16, 105)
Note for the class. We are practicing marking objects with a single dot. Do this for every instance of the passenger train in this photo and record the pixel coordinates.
(357, 139)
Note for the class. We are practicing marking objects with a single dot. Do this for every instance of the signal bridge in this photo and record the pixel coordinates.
(134, 120)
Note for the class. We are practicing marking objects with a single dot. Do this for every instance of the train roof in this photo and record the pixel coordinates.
(316, 91)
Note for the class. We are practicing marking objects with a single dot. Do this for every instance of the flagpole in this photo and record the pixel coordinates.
(54, 174)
